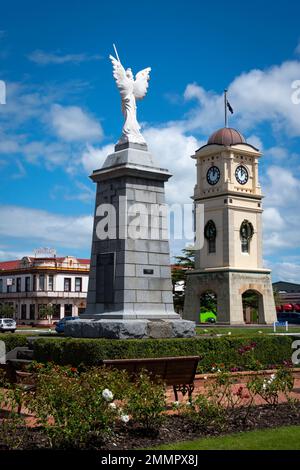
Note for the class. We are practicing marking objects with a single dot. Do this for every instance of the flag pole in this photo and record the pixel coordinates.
(225, 104)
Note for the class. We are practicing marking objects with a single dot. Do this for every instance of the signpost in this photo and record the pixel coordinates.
(281, 323)
(45, 253)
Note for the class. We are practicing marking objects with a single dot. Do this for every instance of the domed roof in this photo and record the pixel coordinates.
(226, 136)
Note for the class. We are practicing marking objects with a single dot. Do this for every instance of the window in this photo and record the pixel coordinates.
(68, 310)
(78, 284)
(40, 307)
(210, 233)
(9, 283)
(1, 285)
(246, 234)
(42, 282)
(32, 312)
(23, 311)
(50, 282)
(56, 314)
(18, 284)
(67, 284)
(34, 282)
(27, 284)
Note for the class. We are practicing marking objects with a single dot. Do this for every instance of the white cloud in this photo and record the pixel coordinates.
(172, 149)
(92, 158)
(257, 96)
(10, 254)
(46, 58)
(78, 192)
(71, 123)
(278, 153)
(281, 220)
(45, 227)
(256, 142)
(286, 271)
(282, 187)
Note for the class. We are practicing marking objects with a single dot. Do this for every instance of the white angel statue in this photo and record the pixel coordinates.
(130, 90)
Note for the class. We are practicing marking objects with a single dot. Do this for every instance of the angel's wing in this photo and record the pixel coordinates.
(122, 81)
(141, 83)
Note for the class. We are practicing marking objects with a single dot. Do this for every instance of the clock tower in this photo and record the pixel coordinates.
(229, 261)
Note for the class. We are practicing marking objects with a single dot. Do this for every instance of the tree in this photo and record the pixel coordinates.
(277, 298)
(47, 312)
(6, 311)
(183, 264)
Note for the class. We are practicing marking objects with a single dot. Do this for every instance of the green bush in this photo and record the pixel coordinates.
(13, 341)
(146, 402)
(231, 353)
(75, 409)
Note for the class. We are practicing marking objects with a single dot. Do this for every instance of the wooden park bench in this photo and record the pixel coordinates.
(178, 372)
(15, 371)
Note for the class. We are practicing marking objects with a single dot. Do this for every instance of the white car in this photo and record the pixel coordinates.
(7, 324)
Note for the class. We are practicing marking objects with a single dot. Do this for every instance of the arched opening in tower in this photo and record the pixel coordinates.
(208, 307)
(252, 307)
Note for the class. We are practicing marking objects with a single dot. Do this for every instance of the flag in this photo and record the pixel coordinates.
(229, 107)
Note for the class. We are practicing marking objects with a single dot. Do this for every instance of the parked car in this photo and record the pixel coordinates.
(7, 324)
(211, 320)
(288, 308)
(293, 318)
(60, 325)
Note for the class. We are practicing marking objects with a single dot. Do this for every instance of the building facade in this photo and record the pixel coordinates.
(289, 292)
(229, 260)
(31, 283)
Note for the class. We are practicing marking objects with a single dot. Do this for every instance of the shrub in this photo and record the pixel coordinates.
(13, 341)
(269, 388)
(146, 402)
(205, 413)
(230, 351)
(75, 408)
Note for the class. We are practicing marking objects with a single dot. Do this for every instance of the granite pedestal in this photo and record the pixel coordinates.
(130, 291)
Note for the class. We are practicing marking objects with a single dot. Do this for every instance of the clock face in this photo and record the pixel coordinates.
(210, 230)
(213, 175)
(241, 174)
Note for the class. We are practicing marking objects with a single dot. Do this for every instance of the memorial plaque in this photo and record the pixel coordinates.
(105, 277)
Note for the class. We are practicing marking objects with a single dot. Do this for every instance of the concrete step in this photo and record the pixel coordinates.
(13, 354)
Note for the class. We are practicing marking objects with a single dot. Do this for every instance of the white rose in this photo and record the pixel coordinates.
(113, 406)
(125, 418)
(176, 404)
(107, 395)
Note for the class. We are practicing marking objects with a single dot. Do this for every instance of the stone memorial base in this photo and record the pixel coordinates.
(130, 329)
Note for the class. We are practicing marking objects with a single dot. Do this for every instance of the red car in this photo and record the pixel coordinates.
(288, 308)
(297, 308)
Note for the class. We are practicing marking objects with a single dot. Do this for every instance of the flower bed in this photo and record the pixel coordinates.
(102, 409)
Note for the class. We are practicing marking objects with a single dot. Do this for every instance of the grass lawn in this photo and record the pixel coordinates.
(201, 330)
(284, 438)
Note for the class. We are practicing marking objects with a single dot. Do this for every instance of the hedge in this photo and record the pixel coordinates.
(234, 352)
(13, 341)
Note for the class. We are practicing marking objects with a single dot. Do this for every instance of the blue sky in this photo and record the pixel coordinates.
(63, 111)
